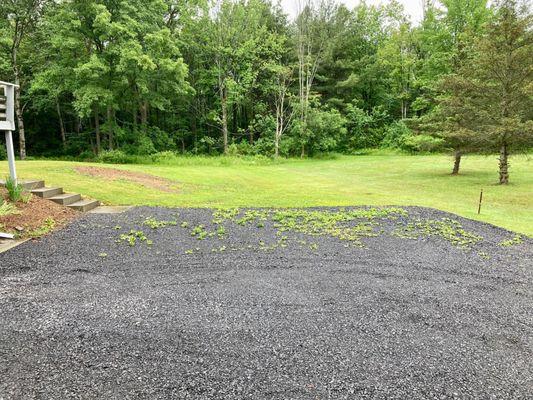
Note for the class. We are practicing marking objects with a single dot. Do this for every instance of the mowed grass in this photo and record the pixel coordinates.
(344, 181)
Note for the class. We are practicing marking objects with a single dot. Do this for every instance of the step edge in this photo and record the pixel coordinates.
(64, 196)
(85, 201)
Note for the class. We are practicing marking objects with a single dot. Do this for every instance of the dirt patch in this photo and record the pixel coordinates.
(35, 218)
(146, 180)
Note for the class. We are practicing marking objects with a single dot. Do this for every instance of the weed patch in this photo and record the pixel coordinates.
(46, 227)
(446, 228)
(155, 224)
(516, 240)
(7, 209)
(134, 237)
(348, 225)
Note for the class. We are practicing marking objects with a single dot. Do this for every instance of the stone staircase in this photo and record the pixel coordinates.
(56, 194)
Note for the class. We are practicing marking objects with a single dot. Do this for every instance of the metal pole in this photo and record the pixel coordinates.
(11, 156)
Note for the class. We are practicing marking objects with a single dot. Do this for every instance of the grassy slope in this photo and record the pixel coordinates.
(358, 180)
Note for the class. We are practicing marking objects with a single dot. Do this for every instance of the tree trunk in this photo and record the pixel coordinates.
(97, 130)
(249, 116)
(279, 125)
(234, 117)
(134, 118)
(277, 136)
(144, 115)
(61, 124)
(111, 125)
(456, 162)
(224, 106)
(78, 125)
(193, 121)
(20, 118)
(504, 165)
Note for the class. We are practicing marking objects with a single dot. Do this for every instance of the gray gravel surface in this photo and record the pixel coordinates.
(82, 316)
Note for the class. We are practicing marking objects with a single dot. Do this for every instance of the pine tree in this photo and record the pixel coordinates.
(488, 103)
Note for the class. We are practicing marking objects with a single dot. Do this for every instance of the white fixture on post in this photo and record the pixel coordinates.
(7, 122)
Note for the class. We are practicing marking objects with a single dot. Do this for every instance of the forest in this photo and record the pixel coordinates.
(106, 79)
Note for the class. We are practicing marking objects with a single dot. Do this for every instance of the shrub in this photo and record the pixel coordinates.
(143, 146)
(399, 136)
(243, 148)
(164, 157)
(265, 146)
(116, 157)
(3, 152)
(86, 155)
(396, 134)
(326, 129)
(206, 145)
(365, 129)
(359, 127)
(161, 140)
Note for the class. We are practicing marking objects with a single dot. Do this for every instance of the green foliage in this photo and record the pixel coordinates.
(155, 224)
(446, 228)
(346, 225)
(422, 143)
(352, 226)
(486, 105)
(139, 81)
(516, 240)
(133, 237)
(396, 136)
(117, 157)
(200, 232)
(325, 130)
(142, 146)
(45, 228)
(361, 128)
(7, 209)
(15, 191)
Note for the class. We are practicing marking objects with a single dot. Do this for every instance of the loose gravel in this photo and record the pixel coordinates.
(187, 310)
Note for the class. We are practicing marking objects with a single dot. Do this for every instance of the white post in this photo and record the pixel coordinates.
(11, 156)
(7, 123)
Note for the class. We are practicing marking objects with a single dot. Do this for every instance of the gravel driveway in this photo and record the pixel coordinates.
(156, 303)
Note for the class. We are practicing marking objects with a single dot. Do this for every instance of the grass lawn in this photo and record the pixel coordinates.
(347, 180)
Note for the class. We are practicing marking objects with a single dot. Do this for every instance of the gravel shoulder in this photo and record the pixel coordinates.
(268, 304)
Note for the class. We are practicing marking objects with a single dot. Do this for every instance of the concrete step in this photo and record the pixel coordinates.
(47, 192)
(31, 185)
(66, 198)
(56, 194)
(27, 185)
(84, 205)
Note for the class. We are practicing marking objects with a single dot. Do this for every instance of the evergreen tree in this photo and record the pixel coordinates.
(488, 104)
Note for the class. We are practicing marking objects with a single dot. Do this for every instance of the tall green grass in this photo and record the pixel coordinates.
(15, 191)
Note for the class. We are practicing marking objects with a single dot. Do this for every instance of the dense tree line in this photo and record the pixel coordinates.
(107, 77)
